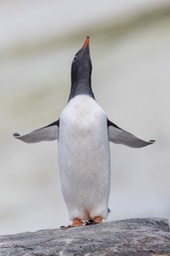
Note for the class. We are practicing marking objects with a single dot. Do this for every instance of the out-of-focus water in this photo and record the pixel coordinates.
(131, 61)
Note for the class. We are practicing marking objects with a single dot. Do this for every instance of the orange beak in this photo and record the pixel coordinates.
(86, 42)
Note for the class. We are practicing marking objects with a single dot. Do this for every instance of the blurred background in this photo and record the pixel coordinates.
(130, 50)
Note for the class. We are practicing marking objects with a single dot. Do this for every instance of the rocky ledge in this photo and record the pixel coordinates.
(131, 237)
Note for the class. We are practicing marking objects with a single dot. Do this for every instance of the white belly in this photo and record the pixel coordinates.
(84, 158)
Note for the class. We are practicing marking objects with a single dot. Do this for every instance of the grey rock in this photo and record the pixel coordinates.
(131, 237)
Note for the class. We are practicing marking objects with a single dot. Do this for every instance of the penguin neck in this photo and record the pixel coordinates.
(83, 86)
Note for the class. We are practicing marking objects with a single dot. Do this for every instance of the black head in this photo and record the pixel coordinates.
(81, 72)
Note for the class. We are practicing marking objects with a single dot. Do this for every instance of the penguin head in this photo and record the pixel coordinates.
(81, 65)
(81, 72)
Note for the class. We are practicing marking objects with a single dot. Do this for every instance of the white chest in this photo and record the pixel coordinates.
(83, 125)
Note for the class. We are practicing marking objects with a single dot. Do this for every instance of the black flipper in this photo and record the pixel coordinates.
(120, 136)
(47, 133)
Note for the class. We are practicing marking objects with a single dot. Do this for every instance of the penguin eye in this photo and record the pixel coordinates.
(75, 58)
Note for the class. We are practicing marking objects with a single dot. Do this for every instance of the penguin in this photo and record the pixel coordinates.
(84, 131)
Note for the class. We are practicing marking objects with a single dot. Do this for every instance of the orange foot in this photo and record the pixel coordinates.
(76, 222)
(98, 219)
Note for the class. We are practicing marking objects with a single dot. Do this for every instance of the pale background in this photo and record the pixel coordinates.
(130, 48)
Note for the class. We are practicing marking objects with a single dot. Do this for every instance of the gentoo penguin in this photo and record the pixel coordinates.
(83, 132)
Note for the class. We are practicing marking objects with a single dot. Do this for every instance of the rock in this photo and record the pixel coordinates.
(131, 237)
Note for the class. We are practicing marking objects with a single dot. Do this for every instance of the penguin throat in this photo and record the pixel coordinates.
(81, 87)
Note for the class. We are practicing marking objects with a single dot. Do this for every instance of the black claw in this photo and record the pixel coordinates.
(89, 222)
(65, 227)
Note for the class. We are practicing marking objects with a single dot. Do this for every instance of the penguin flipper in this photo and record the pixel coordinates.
(120, 136)
(47, 133)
